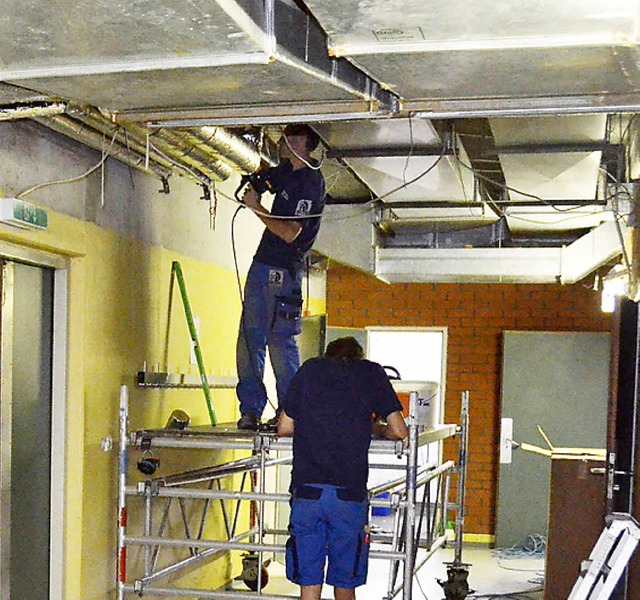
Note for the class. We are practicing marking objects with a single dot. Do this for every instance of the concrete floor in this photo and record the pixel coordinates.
(489, 576)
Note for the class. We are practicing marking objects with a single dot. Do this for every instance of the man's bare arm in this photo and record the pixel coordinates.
(286, 229)
(395, 427)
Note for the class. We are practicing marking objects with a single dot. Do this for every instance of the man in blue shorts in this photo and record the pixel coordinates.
(272, 308)
(328, 408)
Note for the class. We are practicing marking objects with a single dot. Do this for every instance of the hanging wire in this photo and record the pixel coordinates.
(406, 162)
(517, 191)
(241, 295)
(304, 160)
(72, 179)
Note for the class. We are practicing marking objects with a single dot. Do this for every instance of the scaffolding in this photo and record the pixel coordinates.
(418, 501)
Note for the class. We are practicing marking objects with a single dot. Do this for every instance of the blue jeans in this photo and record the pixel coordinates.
(271, 316)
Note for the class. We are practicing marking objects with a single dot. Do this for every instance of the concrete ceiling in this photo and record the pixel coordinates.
(481, 141)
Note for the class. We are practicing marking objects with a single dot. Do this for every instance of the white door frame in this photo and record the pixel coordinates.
(15, 253)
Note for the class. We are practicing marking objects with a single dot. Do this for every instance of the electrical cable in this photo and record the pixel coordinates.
(199, 177)
(308, 286)
(458, 172)
(415, 577)
(304, 160)
(416, 178)
(517, 191)
(617, 216)
(72, 179)
(365, 205)
(534, 546)
(406, 162)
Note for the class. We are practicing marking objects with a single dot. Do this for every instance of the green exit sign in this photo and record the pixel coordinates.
(22, 214)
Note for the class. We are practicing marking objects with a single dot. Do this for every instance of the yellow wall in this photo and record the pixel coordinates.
(118, 319)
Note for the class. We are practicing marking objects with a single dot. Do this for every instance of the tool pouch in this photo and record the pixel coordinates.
(288, 317)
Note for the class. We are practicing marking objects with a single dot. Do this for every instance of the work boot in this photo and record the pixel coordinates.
(249, 421)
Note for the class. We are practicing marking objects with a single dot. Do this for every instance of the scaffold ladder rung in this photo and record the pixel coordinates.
(608, 559)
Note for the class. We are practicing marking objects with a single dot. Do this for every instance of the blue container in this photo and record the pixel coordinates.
(381, 511)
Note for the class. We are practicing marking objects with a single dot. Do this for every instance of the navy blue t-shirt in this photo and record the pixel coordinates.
(332, 402)
(301, 194)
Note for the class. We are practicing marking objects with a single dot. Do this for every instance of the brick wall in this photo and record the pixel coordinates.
(475, 315)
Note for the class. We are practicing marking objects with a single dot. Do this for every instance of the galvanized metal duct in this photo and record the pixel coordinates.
(94, 139)
(230, 147)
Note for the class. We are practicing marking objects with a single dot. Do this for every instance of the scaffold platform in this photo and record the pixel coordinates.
(170, 541)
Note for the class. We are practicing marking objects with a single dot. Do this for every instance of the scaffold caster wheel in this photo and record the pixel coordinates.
(456, 587)
(250, 572)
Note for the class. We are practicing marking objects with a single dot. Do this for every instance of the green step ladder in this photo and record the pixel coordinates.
(176, 270)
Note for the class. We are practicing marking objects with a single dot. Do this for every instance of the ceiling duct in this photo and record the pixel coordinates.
(144, 57)
(575, 54)
(566, 264)
(228, 146)
(486, 236)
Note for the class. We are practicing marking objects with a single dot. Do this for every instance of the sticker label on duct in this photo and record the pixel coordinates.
(399, 34)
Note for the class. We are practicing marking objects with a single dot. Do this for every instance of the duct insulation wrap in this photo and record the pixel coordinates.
(230, 147)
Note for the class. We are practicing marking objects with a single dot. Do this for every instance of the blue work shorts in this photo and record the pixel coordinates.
(328, 523)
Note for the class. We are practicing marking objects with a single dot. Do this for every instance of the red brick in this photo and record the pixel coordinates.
(476, 315)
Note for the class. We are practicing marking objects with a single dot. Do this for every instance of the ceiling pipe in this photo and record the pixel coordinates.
(94, 139)
(134, 136)
(174, 146)
(25, 112)
(93, 118)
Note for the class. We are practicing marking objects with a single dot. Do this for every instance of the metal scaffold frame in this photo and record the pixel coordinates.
(419, 521)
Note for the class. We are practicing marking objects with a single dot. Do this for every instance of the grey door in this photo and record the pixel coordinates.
(559, 381)
(27, 333)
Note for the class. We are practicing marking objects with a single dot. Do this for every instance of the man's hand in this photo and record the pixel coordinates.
(286, 229)
(392, 428)
(251, 198)
(286, 424)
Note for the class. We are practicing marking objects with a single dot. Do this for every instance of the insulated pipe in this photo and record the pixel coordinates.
(128, 139)
(134, 137)
(172, 144)
(230, 147)
(90, 137)
(23, 112)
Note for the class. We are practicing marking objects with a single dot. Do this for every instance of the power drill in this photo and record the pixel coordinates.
(270, 179)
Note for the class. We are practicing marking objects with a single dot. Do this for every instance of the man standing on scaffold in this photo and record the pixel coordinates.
(272, 309)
